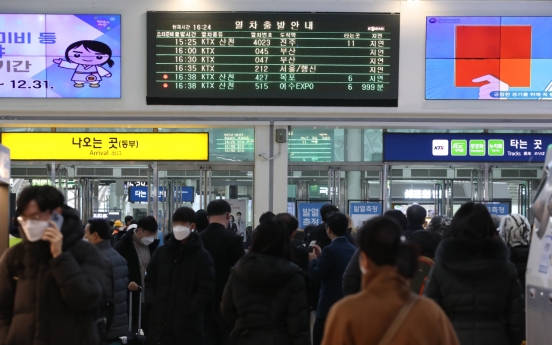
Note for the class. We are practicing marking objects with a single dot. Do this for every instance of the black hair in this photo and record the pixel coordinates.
(101, 227)
(381, 240)
(239, 213)
(148, 224)
(338, 223)
(111, 223)
(185, 215)
(265, 216)
(271, 238)
(134, 221)
(291, 222)
(471, 221)
(233, 219)
(48, 198)
(327, 209)
(218, 208)
(96, 46)
(128, 219)
(399, 217)
(202, 220)
(416, 216)
(426, 241)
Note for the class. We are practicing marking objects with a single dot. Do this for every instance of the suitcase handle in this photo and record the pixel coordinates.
(140, 332)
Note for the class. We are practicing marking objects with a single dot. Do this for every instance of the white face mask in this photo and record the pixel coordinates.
(148, 240)
(34, 229)
(362, 269)
(181, 232)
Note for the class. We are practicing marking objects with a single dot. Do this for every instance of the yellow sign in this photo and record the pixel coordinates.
(108, 146)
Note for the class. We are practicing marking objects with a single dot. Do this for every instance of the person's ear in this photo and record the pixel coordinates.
(192, 226)
(365, 263)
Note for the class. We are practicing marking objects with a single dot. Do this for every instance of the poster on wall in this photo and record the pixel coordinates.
(239, 212)
(361, 212)
(60, 55)
(496, 58)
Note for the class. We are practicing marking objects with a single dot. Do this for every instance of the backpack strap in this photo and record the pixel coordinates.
(399, 319)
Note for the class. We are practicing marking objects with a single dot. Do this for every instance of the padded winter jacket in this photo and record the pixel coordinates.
(47, 301)
(180, 282)
(265, 298)
(477, 286)
(116, 291)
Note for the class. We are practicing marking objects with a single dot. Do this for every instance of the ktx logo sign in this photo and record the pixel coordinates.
(440, 147)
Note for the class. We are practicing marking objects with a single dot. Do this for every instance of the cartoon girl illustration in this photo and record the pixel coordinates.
(86, 58)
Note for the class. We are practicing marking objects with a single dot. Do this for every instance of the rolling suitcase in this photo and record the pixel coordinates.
(138, 338)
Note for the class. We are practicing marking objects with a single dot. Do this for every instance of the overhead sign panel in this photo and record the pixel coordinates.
(108, 146)
(446, 147)
(268, 58)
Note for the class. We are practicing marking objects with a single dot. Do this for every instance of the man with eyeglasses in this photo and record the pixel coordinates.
(57, 277)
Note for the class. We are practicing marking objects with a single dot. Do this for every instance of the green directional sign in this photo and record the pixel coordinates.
(459, 148)
(477, 147)
(496, 147)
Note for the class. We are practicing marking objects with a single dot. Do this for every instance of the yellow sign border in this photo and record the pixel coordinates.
(51, 147)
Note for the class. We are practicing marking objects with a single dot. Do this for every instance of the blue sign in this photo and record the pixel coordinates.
(500, 210)
(140, 194)
(449, 147)
(365, 208)
(360, 212)
(309, 213)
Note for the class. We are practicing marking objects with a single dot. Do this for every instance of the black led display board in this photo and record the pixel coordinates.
(257, 58)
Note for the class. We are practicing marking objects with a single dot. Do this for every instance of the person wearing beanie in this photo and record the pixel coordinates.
(515, 230)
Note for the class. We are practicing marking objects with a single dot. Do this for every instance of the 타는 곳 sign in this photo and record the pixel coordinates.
(108, 146)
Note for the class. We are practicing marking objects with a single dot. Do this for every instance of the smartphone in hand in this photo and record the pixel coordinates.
(57, 219)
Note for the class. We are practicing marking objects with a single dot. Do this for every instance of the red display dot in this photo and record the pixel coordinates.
(165, 76)
(165, 85)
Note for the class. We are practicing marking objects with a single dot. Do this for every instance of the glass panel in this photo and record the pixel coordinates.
(26, 129)
(373, 145)
(226, 144)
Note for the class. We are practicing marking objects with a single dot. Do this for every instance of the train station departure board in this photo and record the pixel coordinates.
(255, 58)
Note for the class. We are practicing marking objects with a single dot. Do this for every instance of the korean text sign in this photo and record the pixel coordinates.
(469, 147)
(501, 210)
(309, 213)
(60, 55)
(108, 146)
(360, 212)
(140, 194)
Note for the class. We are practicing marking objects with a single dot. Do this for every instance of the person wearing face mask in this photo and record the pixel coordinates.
(97, 232)
(52, 282)
(397, 316)
(137, 247)
(179, 284)
(226, 248)
(327, 267)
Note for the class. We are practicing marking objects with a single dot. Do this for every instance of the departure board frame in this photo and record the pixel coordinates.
(210, 71)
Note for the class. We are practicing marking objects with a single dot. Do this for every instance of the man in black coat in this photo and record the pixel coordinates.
(416, 216)
(57, 277)
(97, 232)
(319, 234)
(179, 284)
(137, 247)
(226, 248)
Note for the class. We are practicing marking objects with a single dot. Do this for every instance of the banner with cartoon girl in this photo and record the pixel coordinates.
(60, 55)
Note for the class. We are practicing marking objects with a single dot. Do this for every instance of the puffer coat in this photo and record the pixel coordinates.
(477, 286)
(265, 298)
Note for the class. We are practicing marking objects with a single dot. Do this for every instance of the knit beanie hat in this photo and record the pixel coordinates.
(515, 230)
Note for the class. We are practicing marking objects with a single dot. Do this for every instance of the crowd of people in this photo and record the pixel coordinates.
(394, 281)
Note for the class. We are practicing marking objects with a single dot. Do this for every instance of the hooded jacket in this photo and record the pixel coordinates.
(45, 301)
(365, 317)
(116, 291)
(265, 298)
(180, 281)
(478, 288)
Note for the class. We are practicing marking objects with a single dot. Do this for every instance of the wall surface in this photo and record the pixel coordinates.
(132, 108)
